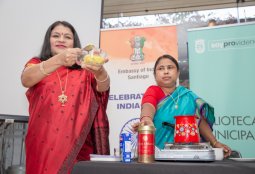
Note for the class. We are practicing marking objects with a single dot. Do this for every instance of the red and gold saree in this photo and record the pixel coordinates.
(58, 136)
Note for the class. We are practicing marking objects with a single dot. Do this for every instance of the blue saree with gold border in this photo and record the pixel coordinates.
(188, 103)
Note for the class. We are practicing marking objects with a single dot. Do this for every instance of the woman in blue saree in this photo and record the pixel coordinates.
(162, 102)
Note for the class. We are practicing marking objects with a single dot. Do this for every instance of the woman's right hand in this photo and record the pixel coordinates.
(69, 56)
(142, 122)
(135, 126)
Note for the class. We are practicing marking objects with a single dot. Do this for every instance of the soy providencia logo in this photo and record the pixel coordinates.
(231, 43)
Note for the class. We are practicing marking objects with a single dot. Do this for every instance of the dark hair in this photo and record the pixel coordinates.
(212, 21)
(165, 56)
(46, 48)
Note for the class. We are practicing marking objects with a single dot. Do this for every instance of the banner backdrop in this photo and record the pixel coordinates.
(222, 69)
(132, 54)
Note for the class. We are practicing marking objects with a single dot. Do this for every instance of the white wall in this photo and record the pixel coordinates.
(23, 24)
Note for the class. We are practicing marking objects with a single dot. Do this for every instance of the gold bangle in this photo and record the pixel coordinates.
(214, 143)
(42, 69)
(101, 81)
(145, 116)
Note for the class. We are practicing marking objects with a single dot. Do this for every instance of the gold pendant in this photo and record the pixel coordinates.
(62, 98)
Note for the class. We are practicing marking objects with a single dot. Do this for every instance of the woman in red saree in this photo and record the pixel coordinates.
(67, 105)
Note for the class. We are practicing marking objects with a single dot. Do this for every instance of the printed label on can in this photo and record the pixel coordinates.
(146, 144)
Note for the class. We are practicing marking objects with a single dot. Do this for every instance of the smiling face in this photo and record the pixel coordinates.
(166, 73)
(61, 38)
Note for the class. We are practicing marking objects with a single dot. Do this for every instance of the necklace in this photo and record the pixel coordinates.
(62, 98)
(175, 102)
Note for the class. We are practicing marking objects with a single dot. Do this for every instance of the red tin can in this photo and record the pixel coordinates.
(186, 129)
(146, 144)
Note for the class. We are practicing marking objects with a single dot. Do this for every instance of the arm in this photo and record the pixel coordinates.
(34, 74)
(147, 113)
(206, 132)
(149, 102)
(146, 117)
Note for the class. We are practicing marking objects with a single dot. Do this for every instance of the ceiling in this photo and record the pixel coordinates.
(117, 8)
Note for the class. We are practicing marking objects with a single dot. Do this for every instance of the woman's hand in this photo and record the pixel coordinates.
(226, 149)
(146, 117)
(69, 56)
(135, 127)
(142, 122)
(95, 69)
(98, 71)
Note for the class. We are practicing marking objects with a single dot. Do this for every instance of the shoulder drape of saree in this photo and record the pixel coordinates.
(100, 126)
(206, 111)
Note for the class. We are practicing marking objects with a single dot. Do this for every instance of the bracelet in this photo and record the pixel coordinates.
(101, 81)
(214, 143)
(42, 69)
(144, 117)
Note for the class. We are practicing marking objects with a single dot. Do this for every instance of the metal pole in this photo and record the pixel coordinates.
(237, 9)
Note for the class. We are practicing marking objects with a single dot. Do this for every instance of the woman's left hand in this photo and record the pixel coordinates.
(227, 151)
(93, 68)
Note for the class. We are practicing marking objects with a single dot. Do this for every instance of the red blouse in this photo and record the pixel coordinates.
(153, 95)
